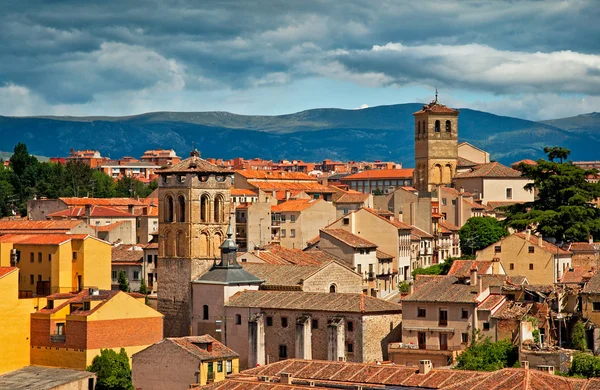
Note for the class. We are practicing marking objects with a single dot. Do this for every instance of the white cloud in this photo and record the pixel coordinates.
(363, 106)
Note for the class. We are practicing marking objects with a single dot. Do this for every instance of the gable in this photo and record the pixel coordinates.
(123, 306)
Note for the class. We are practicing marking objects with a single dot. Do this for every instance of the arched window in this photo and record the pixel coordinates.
(332, 288)
(180, 245)
(204, 208)
(219, 208)
(205, 312)
(181, 208)
(436, 174)
(203, 247)
(419, 129)
(217, 241)
(437, 126)
(448, 126)
(169, 208)
(169, 243)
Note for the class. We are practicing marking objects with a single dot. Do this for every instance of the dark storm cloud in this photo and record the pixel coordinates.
(70, 51)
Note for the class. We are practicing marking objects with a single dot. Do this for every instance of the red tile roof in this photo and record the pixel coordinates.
(348, 238)
(496, 204)
(289, 276)
(447, 227)
(463, 162)
(243, 192)
(48, 225)
(584, 247)
(274, 175)
(101, 201)
(295, 205)
(491, 302)
(436, 107)
(41, 239)
(455, 192)
(381, 255)
(6, 270)
(194, 345)
(275, 254)
(419, 233)
(381, 174)
(462, 268)
(307, 186)
(490, 170)
(95, 211)
(194, 164)
(525, 161)
(127, 253)
(352, 198)
(578, 275)
(110, 227)
(545, 244)
(395, 222)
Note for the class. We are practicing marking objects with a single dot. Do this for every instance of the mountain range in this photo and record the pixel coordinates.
(375, 133)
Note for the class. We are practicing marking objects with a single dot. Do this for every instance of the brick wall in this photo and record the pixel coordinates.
(587, 260)
(131, 332)
(377, 332)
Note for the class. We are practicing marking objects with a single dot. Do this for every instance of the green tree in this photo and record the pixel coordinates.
(123, 282)
(403, 287)
(563, 209)
(112, 369)
(436, 269)
(479, 233)
(578, 339)
(143, 287)
(485, 355)
(585, 365)
(556, 152)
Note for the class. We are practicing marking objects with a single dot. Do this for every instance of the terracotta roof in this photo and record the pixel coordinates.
(491, 302)
(294, 205)
(127, 253)
(95, 211)
(101, 201)
(273, 175)
(26, 225)
(103, 295)
(194, 345)
(110, 227)
(455, 192)
(419, 233)
(436, 107)
(442, 289)
(490, 170)
(447, 227)
(352, 198)
(525, 161)
(584, 247)
(313, 301)
(395, 222)
(463, 162)
(41, 239)
(577, 275)
(307, 186)
(193, 164)
(275, 254)
(281, 275)
(377, 174)
(381, 255)
(462, 268)
(243, 192)
(6, 270)
(496, 204)
(593, 286)
(348, 238)
(474, 205)
(545, 244)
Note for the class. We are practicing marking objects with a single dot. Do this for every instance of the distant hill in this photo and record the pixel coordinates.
(376, 133)
(586, 124)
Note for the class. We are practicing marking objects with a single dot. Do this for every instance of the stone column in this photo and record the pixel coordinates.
(303, 338)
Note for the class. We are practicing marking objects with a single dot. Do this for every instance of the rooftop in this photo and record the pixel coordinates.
(295, 205)
(273, 175)
(307, 186)
(101, 201)
(41, 378)
(127, 254)
(193, 164)
(84, 295)
(25, 225)
(41, 239)
(6, 270)
(352, 198)
(490, 170)
(313, 301)
(404, 173)
(436, 107)
(545, 244)
(275, 254)
(462, 268)
(198, 347)
(593, 286)
(95, 211)
(348, 238)
(281, 275)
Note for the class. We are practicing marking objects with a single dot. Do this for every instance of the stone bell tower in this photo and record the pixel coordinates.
(194, 207)
(436, 146)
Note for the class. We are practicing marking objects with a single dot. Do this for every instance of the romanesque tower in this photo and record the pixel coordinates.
(436, 146)
(194, 208)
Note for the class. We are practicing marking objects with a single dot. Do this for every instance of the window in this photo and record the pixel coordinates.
(238, 319)
(443, 320)
(282, 217)
(114, 275)
(531, 249)
(284, 322)
(464, 338)
(229, 366)
(498, 249)
(39, 257)
(49, 257)
(511, 266)
(332, 289)
(31, 279)
(136, 275)
(292, 232)
(345, 212)
(596, 306)
(31, 257)
(269, 321)
(350, 348)
(205, 312)
(486, 326)
(531, 266)
(437, 126)
(346, 221)
(359, 269)
(421, 312)
(350, 326)
(74, 255)
(292, 218)
(464, 314)
(50, 304)
(315, 324)
(282, 234)
(448, 126)
(453, 202)
(86, 305)
(444, 200)
(509, 193)
(149, 259)
(219, 366)
(283, 351)
(60, 328)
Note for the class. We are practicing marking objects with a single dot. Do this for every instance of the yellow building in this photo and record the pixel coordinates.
(14, 321)
(72, 329)
(177, 363)
(57, 263)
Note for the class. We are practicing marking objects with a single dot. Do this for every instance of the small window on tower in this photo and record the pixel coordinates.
(437, 126)
(448, 127)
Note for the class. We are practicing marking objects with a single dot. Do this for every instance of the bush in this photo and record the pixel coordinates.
(112, 369)
(488, 356)
(585, 365)
(403, 287)
(578, 339)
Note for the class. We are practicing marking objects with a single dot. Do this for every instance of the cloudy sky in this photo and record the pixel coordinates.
(535, 60)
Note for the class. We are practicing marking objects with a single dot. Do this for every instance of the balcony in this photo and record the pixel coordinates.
(443, 322)
(58, 338)
(371, 275)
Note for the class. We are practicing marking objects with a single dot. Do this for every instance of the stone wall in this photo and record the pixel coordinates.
(344, 279)
(377, 332)
(560, 360)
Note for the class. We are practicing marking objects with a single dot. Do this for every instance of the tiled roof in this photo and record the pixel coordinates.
(436, 107)
(110, 227)
(313, 301)
(131, 164)
(496, 204)
(352, 198)
(26, 225)
(193, 345)
(442, 289)
(103, 295)
(348, 238)
(462, 268)
(381, 174)
(95, 211)
(295, 205)
(193, 164)
(584, 247)
(492, 302)
(474, 205)
(126, 253)
(101, 201)
(455, 192)
(275, 254)
(577, 275)
(350, 375)
(243, 192)
(281, 275)
(545, 244)
(307, 186)
(381, 255)
(6, 270)
(525, 161)
(273, 175)
(593, 286)
(463, 162)
(395, 222)
(447, 227)
(419, 233)
(490, 170)
(41, 239)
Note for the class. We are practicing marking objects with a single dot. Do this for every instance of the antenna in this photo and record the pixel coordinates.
(436, 94)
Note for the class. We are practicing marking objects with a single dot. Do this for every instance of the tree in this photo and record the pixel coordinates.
(554, 152)
(488, 356)
(578, 339)
(479, 233)
(123, 282)
(436, 269)
(112, 369)
(403, 287)
(584, 364)
(143, 288)
(563, 209)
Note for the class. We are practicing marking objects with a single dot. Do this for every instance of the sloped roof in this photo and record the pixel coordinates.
(419, 233)
(577, 275)
(497, 204)
(349, 238)
(280, 275)
(95, 211)
(381, 255)
(462, 268)
(463, 162)
(490, 170)
(193, 164)
(295, 205)
(584, 247)
(593, 286)
(192, 344)
(429, 288)
(127, 253)
(273, 175)
(6, 270)
(103, 296)
(491, 302)
(395, 222)
(27, 225)
(307, 186)
(101, 201)
(545, 244)
(377, 174)
(350, 198)
(110, 227)
(447, 227)
(243, 192)
(455, 192)
(436, 107)
(275, 254)
(313, 301)
(41, 239)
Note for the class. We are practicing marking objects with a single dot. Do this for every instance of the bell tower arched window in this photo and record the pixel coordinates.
(181, 208)
(448, 127)
(437, 126)
(204, 208)
(419, 129)
(219, 208)
(169, 209)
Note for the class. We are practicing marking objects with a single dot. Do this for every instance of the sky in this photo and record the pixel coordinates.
(529, 59)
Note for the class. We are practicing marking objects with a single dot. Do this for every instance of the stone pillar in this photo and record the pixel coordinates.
(336, 339)
(303, 338)
(256, 341)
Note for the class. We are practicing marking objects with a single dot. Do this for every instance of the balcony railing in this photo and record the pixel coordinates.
(370, 275)
(443, 323)
(58, 338)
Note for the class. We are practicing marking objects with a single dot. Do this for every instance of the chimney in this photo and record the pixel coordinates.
(425, 366)
(525, 364)
(590, 239)
(462, 190)
(411, 288)
(130, 208)
(88, 210)
(286, 378)
(528, 234)
(540, 240)
(473, 274)
(480, 285)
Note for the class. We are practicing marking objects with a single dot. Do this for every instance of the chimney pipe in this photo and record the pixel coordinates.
(425, 366)
(528, 234)
(473, 275)
(286, 378)
(540, 240)
(591, 239)
(88, 210)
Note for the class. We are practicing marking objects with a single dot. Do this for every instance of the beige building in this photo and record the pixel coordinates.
(473, 154)
(408, 207)
(253, 220)
(448, 241)
(524, 254)
(296, 221)
(268, 326)
(348, 201)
